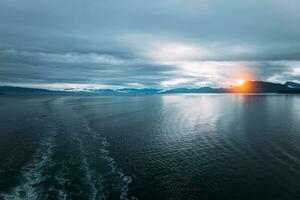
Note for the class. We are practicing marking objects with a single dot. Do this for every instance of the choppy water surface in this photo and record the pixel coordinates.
(150, 147)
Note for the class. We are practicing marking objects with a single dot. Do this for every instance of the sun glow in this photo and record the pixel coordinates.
(240, 82)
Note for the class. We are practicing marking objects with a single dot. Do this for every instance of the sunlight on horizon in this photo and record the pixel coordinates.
(240, 82)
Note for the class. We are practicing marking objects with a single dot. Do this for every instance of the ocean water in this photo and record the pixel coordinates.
(150, 147)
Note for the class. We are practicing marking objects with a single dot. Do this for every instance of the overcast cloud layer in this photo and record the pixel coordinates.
(142, 43)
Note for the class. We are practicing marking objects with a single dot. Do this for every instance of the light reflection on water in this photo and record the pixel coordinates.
(210, 146)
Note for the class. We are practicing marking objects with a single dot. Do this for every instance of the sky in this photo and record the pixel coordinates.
(59, 44)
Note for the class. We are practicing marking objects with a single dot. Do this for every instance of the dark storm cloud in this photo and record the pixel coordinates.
(147, 43)
(85, 68)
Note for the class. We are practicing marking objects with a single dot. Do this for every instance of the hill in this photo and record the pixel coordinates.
(292, 85)
(195, 90)
(21, 90)
(247, 87)
(259, 87)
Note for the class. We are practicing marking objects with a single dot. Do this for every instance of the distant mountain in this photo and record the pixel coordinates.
(196, 90)
(21, 90)
(138, 91)
(125, 91)
(292, 85)
(99, 91)
(259, 87)
(247, 87)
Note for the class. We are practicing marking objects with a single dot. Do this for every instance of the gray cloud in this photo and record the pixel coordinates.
(147, 43)
(80, 68)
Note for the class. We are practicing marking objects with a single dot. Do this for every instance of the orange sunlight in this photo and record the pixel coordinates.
(241, 86)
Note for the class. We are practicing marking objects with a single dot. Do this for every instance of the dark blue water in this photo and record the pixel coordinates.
(226, 146)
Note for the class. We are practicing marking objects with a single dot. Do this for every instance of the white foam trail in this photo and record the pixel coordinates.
(32, 173)
(62, 195)
(111, 162)
(125, 188)
(96, 193)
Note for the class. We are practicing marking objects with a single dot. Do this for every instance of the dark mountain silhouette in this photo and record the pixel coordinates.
(125, 91)
(138, 91)
(259, 87)
(21, 90)
(292, 85)
(196, 90)
(294, 88)
(247, 87)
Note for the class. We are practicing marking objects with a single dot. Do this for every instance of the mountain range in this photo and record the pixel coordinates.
(247, 87)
